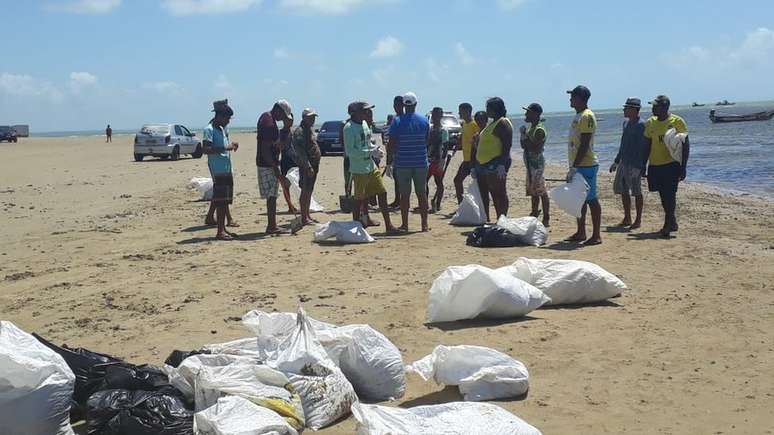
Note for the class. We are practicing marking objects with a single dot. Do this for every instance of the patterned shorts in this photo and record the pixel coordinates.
(222, 188)
(627, 179)
(536, 182)
(268, 185)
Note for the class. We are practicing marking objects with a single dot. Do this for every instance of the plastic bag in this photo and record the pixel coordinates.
(121, 412)
(203, 186)
(35, 386)
(344, 232)
(456, 418)
(529, 229)
(233, 415)
(568, 281)
(570, 197)
(674, 144)
(471, 209)
(467, 292)
(293, 176)
(492, 236)
(480, 372)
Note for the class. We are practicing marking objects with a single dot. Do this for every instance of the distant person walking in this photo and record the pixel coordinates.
(494, 157)
(437, 143)
(584, 161)
(308, 158)
(630, 163)
(217, 146)
(533, 141)
(267, 157)
(665, 172)
(408, 143)
(108, 134)
(469, 130)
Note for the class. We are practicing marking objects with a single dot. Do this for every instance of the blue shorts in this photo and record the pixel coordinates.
(589, 174)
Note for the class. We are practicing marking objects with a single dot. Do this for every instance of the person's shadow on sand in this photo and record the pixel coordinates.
(648, 236)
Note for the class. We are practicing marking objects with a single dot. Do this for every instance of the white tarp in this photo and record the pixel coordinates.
(233, 415)
(343, 232)
(528, 228)
(471, 209)
(295, 190)
(203, 186)
(570, 197)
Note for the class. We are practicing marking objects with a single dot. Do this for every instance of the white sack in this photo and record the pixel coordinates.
(203, 186)
(344, 232)
(295, 190)
(480, 372)
(233, 415)
(570, 197)
(467, 292)
(457, 418)
(529, 229)
(36, 386)
(471, 209)
(674, 144)
(568, 281)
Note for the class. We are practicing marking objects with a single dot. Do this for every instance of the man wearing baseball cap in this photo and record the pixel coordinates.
(629, 163)
(216, 144)
(533, 140)
(583, 161)
(308, 159)
(270, 141)
(365, 175)
(665, 172)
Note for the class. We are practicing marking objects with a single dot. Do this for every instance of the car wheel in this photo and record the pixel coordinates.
(175, 153)
(197, 154)
(164, 157)
(138, 157)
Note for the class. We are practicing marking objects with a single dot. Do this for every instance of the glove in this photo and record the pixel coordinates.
(571, 174)
(613, 167)
(388, 171)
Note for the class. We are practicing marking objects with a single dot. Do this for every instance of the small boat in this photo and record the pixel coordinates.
(695, 104)
(757, 116)
(724, 103)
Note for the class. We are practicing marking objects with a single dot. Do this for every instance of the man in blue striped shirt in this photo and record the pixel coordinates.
(408, 140)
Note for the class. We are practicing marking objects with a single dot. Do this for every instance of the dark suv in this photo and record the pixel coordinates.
(328, 137)
(7, 134)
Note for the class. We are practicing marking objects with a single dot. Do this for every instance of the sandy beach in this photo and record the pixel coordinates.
(105, 253)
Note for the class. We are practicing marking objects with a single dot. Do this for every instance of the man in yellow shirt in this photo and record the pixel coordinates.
(583, 161)
(665, 171)
(469, 130)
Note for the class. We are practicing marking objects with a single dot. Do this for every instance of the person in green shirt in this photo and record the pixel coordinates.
(533, 140)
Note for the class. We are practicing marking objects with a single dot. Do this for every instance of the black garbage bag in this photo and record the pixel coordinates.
(492, 236)
(123, 412)
(177, 356)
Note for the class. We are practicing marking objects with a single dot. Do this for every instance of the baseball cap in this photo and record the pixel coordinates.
(660, 100)
(308, 112)
(534, 107)
(410, 99)
(581, 91)
(360, 105)
(221, 106)
(285, 106)
(633, 102)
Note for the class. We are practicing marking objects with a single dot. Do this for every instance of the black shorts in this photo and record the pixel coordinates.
(305, 182)
(286, 164)
(223, 188)
(664, 178)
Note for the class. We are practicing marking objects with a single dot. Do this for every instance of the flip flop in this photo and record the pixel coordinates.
(233, 225)
(591, 242)
(225, 237)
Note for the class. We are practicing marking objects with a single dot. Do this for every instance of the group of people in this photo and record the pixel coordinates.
(418, 151)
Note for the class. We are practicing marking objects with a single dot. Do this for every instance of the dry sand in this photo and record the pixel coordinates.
(101, 252)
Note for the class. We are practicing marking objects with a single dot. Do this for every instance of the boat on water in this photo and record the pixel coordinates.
(757, 116)
(695, 104)
(724, 103)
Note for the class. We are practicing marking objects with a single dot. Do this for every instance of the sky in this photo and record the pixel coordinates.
(81, 64)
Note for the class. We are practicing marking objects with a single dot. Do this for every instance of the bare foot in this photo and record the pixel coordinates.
(391, 229)
(224, 236)
(234, 224)
(635, 225)
(403, 228)
(292, 210)
(577, 237)
(272, 231)
(593, 241)
(625, 223)
(426, 228)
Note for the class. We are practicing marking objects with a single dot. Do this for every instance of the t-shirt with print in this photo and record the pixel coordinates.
(267, 131)
(307, 151)
(583, 123)
(436, 143)
(410, 132)
(220, 162)
(469, 130)
(357, 147)
(655, 130)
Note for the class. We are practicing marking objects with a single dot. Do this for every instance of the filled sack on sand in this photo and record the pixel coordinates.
(471, 209)
(567, 281)
(571, 196)
(294, 177)
(203, 186)
(468, 292)
(121, 412)
(480, 372)
(36, 386)
(343, 232)
(456, 418)
(529, 229)
(233, 415)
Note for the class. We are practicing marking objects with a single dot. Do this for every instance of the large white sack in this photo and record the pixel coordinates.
(529, 229)
(480, 372)
(325, 392)
(369, 360)
(203, 186)
(295, 190)
(36, 386)
(568, 281)
(233, 415)
(456, 418)
(570, 197)
(471, 209)
(344, 232)
(467, 292)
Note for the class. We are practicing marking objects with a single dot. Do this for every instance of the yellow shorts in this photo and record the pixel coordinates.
(368, 185)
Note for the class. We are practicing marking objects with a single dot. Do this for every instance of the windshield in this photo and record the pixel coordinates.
(450, 121)
(331, 126)
(155, 129)
(5, 129)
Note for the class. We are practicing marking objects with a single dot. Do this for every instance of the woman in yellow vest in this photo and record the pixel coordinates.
(493, 157)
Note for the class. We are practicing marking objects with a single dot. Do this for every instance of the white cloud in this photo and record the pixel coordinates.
(435, 71)
(89, 7)
(756, 50)
(328, 7)
(510, 5)
(163, 87)
(193, 7)
(22, 85)
(281, 53)
(465, 57)
(389, 46)
(222, 83)
(81, 80)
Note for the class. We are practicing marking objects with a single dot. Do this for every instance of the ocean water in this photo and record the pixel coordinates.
(737, 157)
